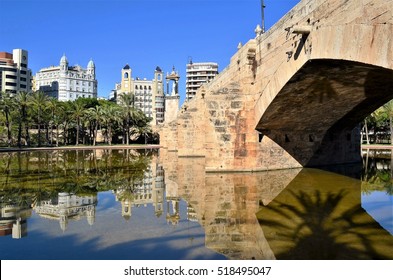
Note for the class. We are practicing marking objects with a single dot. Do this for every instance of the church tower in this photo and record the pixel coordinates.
(91, 69)
(126, 79)
(63, 64)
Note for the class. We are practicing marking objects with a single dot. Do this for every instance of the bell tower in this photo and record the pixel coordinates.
(126, 79)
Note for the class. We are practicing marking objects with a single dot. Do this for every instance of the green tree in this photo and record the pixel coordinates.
(388, 107)
(111, 117)
(96, 116)
(40, 102)
(7, 105)
(127, 101)
(22, 100)
(77, 112)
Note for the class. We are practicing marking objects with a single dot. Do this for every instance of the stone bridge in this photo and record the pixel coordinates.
(293, 96)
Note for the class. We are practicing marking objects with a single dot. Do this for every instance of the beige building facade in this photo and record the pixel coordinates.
(149, 94)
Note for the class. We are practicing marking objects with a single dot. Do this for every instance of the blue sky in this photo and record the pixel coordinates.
(143, 33)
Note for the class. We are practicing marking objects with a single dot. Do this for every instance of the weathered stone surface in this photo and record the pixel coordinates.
(291, 99)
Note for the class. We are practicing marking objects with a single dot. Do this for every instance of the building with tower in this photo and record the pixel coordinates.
(65, 82)
(68, 207)
(15, 76)
(148, 94)
(148, 191)
(197, 74)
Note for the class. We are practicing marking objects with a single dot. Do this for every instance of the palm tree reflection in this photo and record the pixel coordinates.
(323, 225)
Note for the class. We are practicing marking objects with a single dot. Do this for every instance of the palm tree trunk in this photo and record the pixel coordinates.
(27, 135)
(391, 129)
(95, 134)
(39, 134)
(109, 135)
(128, 130)
(77, 132)
(57, 135)
(7, 123)
(20, 134)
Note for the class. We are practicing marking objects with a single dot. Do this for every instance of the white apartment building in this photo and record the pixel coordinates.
(66, 82)
(15, 76)
(198, 74)
(149, 94)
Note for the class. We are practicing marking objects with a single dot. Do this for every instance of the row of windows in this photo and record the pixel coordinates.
(142, 93)
(143, 87)
(8, 69)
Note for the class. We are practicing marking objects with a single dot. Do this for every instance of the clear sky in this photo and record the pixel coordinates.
(143, 33)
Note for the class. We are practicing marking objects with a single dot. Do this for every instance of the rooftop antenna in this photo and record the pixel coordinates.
(263, 15)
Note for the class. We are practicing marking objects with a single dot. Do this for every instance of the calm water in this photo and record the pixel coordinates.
(129, 204)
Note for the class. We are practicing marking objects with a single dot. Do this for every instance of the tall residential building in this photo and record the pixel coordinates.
(66, 82)
(15, 76)
(149, 94)
(198, 74)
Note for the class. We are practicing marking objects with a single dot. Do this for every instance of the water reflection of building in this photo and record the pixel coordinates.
(191, 214)
(150, 190)
(13, 220)
(68, 206)
(172, 214)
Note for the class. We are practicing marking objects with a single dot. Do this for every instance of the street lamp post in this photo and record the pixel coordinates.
(263, 15)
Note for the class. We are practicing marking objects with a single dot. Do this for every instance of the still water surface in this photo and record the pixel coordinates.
(137, 204)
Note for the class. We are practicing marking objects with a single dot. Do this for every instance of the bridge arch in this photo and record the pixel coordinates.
(346, 74)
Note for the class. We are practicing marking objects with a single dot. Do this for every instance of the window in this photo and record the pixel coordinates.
(125, 75)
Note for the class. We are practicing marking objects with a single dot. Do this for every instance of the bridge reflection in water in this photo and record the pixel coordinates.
(281, 214)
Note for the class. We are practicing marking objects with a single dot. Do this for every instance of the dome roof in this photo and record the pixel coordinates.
(91, 64)
(63, 59)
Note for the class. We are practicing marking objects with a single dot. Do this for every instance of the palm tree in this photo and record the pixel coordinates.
(95, 114)
(127, 101)
(145, 131)
(40, 102)
(22, 104)
(7, 104)
(389, 111)
(111, 117)
(77, 112)
(53, 106)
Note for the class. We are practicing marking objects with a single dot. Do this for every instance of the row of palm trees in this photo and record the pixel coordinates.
(29, 119)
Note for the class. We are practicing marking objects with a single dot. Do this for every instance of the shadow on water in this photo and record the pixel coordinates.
(314, 218)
